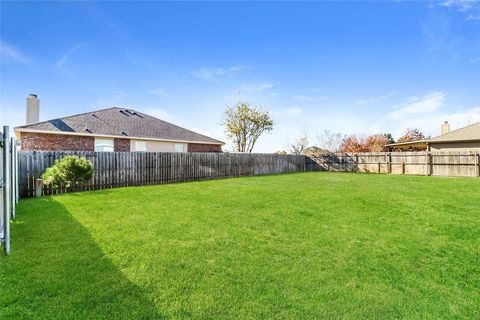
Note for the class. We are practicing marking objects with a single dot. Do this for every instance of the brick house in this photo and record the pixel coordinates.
(112, 129)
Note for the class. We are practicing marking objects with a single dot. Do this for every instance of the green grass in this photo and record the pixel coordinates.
(297, 246)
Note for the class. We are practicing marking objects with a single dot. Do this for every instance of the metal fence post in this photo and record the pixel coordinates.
(17, 166)
(12, 177)
(5, 190)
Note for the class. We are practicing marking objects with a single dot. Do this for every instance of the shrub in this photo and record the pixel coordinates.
(69, 171)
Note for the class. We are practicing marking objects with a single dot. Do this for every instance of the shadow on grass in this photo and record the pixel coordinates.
(57, 271)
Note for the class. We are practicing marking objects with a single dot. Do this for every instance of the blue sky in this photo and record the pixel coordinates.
(350, 67)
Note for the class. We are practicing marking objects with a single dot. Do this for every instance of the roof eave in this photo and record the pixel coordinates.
(407, 143)
(456, 140)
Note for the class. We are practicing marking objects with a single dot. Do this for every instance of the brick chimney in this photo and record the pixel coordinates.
(33, 109)
(445, 127)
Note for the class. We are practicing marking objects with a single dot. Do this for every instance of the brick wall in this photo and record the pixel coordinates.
(198, 147)
(122, 145)
(59, 142)
(56, 142)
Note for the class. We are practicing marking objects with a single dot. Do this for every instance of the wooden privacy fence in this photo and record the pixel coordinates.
(121, 169)
(458, 164)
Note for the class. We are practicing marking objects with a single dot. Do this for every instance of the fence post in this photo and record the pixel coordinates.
(5, 190)
(427, 164)
(477, 164)
(389, 163)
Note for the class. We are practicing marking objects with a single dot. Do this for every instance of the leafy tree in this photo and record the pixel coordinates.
(299, 145)
(330, 141)
(389, 138)
(413, 135)
(375, 143)
(244, 124)
(372, 143)
(282, 152)
(353, 143)
(69, 171)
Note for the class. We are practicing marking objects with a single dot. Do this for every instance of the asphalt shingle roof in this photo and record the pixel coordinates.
(120, 122)
(470, 132)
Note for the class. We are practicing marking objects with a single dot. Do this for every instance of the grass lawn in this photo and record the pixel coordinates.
(296, 246)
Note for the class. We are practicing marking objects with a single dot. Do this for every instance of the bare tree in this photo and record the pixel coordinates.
(330, 141)
(300, 143)
(244, 124)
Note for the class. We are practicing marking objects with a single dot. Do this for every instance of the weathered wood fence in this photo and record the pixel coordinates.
(121, 169)
(457, 164)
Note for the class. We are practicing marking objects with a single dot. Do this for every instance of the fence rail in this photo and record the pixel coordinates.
(121, 169)
(457, 164)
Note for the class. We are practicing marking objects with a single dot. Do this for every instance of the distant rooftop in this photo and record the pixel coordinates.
(470, 132)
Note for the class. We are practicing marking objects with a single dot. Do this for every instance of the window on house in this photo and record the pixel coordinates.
(179, 147)
(140, 146)
(104, 145)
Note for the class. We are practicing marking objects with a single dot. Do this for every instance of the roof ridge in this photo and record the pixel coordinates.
(66, 117)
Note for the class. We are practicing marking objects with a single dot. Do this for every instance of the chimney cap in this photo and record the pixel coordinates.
(32, 95)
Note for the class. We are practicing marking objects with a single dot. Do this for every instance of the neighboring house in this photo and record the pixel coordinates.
(463, 139)
(112, 129)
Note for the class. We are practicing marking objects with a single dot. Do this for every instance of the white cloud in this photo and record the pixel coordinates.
(214, 73)
(375, 99)
(427, 114)
(473, 17)
(9, 52)
(158, 92)
(287, 113)
(60, 63)
(64, 65)
(302, 97)
(462, 5)
(416, 107)
(255, 86)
